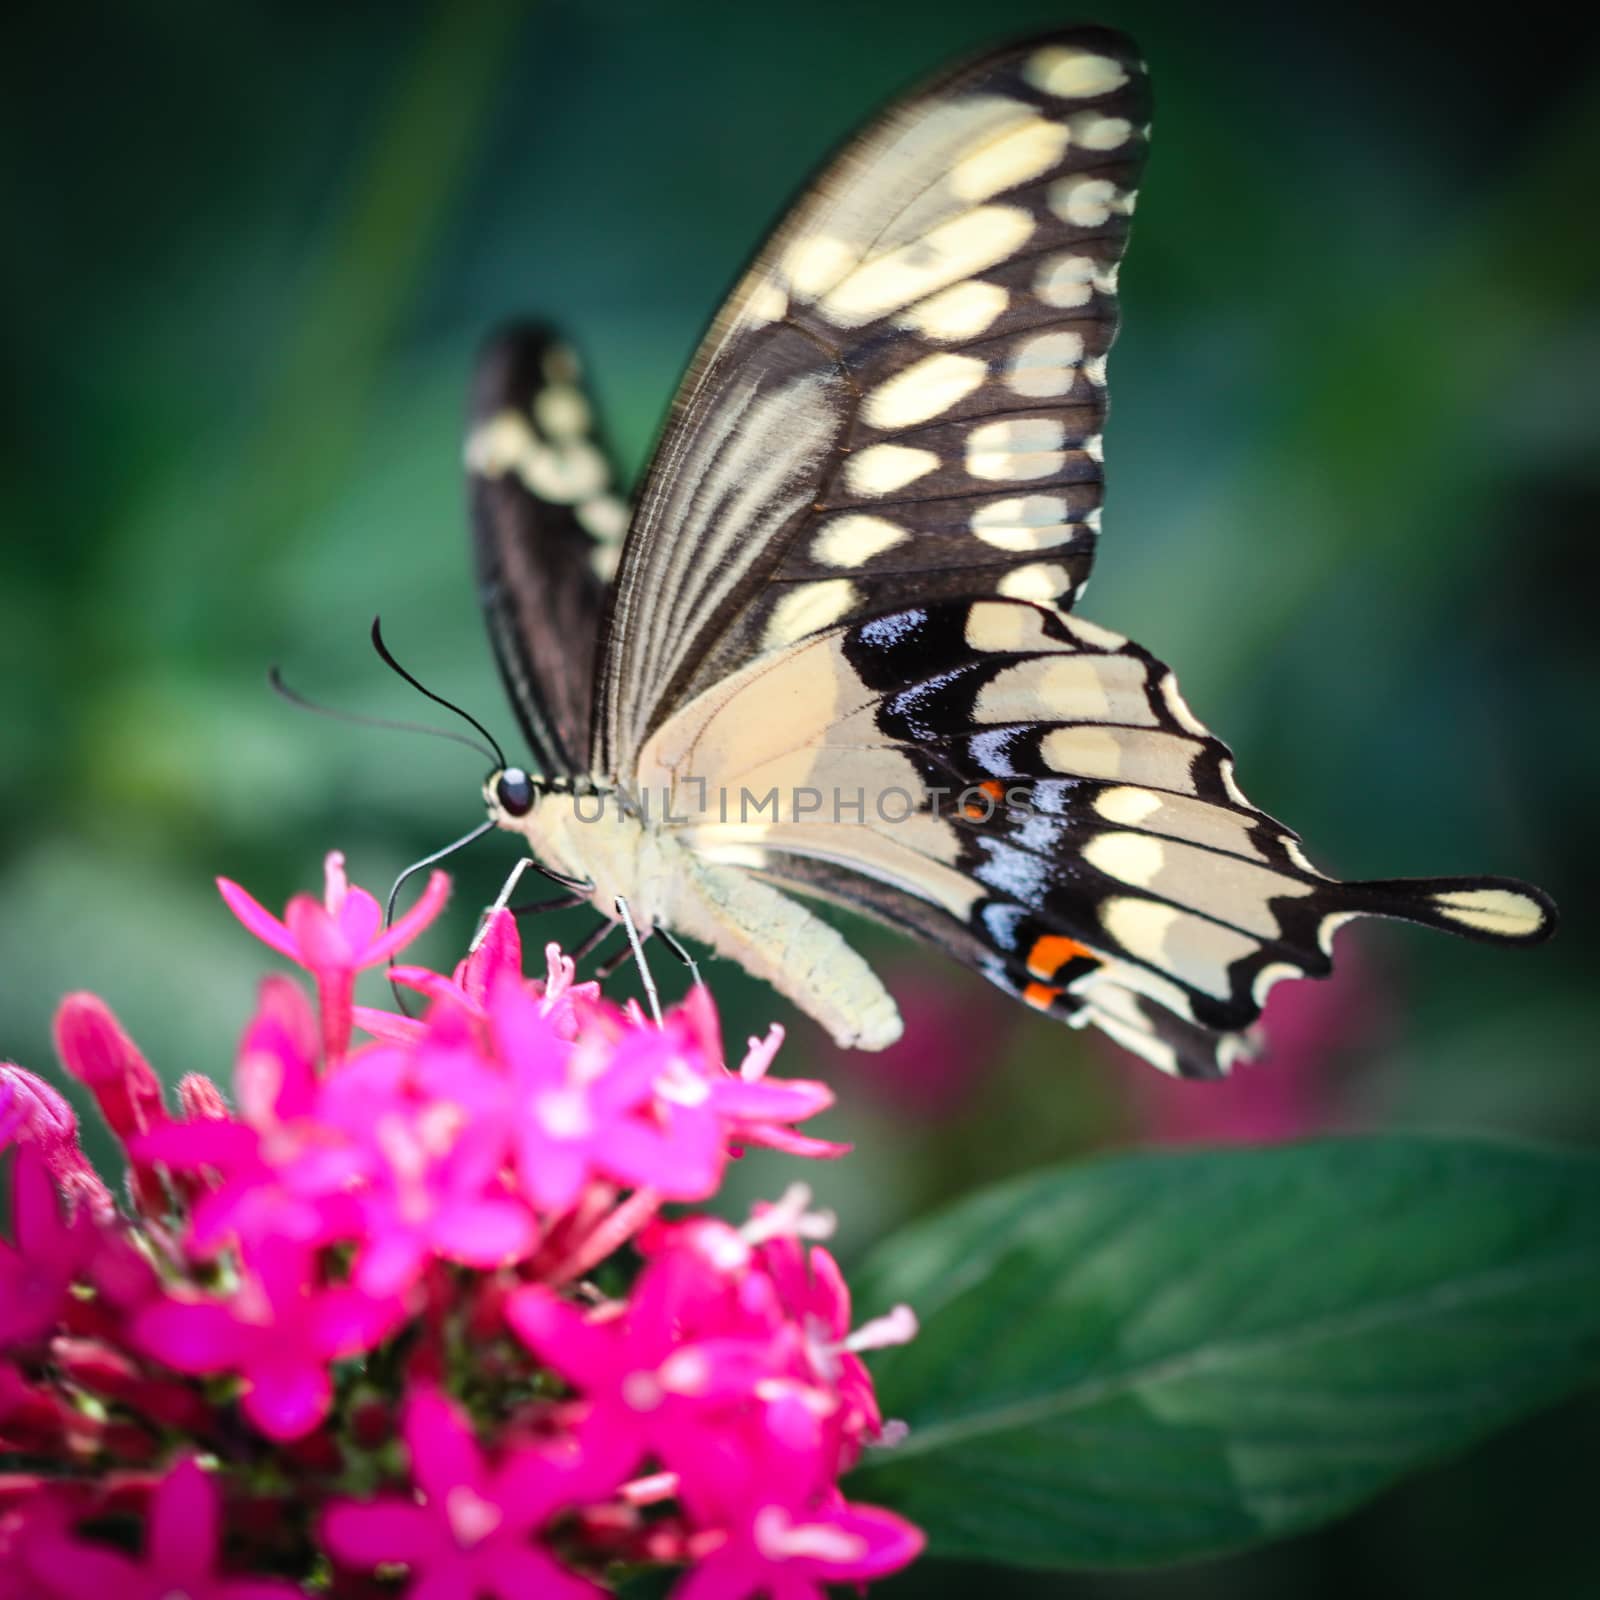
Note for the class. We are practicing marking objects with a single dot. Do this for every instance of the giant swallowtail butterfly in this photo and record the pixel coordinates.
(831, 650)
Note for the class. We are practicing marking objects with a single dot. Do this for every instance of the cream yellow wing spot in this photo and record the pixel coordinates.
(604, 517)
(854, 539)
(1041, 581)
(1065, 281)
(1044, 365)
(882, 468)
(962, 311)
(957, 249)
(1073, 73)
(1085, 202)
(1010, 160)
(1146, 758)
(562, 412)
(1065, 687)
(1023, 523)
(766, 303)
(812, 266)
(1498, 911)
(1093, 131)
(1018, 448)
(1193, 948)
(992, 626)
(923, 390)
(808, 608)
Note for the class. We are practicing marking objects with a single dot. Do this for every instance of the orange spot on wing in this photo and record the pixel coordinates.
(1041, 996)
(996, 792)
(1052, 952)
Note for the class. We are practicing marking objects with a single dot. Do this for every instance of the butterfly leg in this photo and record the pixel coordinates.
(562, 902)
(645, 975)
(508, 888)
(672, 942)
(593, 941)
(615, 962)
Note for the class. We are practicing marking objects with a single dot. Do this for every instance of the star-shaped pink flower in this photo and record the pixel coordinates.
(279, 1333)
(473, 1536)
(336, 937)
(783, 1552)
(182, 1539)
(282, 1172)
(661, 1374)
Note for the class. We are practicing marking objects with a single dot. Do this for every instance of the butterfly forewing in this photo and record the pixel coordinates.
(904, 396)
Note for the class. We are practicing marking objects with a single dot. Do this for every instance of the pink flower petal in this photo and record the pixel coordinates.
(319, 938)
(557, 1332)
(183, 1525)
(74, 1571)
(287, 1400)
(372, 1534)
(499, 953)
(521, 1570)
(258, 920)
(484, 1233)
(885, 1543)
(792, 1143)
(344, 1322)
(36, 1220)
(196, 1336)
(359, 919)
(439, 1439)
(387, 1026)
(771, 1099)
(428, 906)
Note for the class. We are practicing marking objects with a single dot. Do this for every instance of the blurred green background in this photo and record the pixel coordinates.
(1353, 489)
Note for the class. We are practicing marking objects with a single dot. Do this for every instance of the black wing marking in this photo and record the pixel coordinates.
(547, 530)
(904, 396)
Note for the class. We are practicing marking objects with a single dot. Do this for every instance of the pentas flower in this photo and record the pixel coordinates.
(179, 1562)
(498, 955)
(407, 1228)
(337, 937)
(279, 1333)
(279, 1172)
(681, 1372)
(782, 1530)
(466, 1530)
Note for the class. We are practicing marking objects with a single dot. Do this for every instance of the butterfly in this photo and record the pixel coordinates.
(831, 652)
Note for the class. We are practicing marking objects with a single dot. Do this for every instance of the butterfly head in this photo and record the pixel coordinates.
(510, 794)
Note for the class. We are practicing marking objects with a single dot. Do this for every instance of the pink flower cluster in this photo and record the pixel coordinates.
(406, 1317)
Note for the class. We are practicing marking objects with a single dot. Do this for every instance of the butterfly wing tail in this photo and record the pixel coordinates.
(1495, 910)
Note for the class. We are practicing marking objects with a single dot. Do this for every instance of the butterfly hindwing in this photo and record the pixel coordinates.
(547, 531)
(1031, 793)
(905, 393)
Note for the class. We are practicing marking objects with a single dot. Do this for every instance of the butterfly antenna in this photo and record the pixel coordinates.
(361, 720)
(438, 699)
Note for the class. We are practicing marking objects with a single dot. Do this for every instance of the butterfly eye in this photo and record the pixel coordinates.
(513, 789)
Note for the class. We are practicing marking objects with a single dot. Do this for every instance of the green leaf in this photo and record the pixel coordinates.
(1159, 1357)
